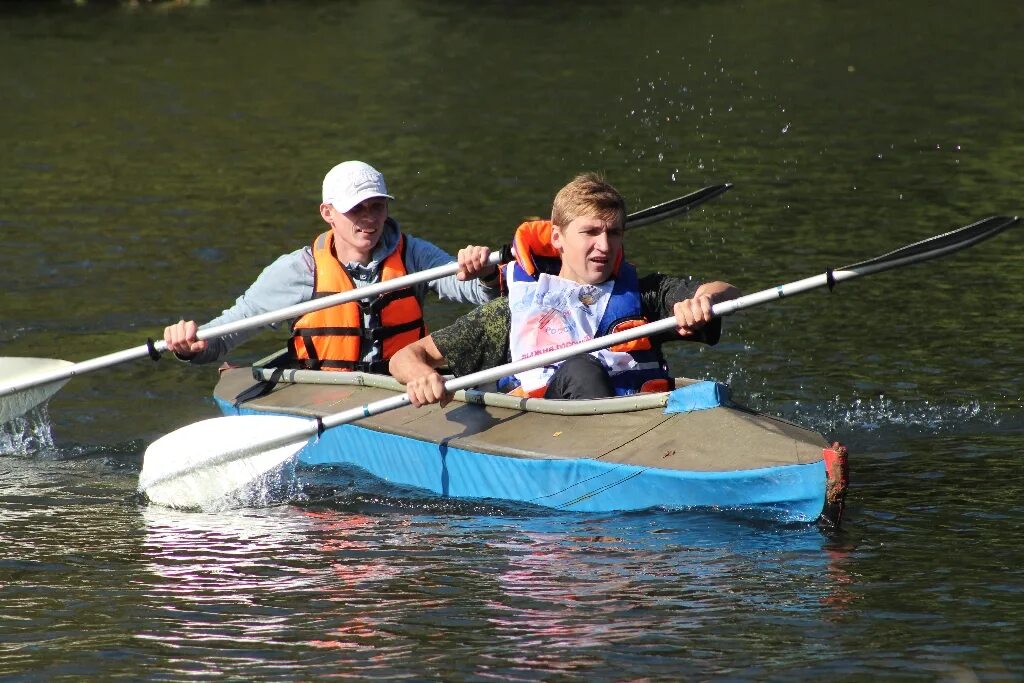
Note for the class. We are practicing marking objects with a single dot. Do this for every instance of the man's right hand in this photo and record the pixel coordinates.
(181, 339)
(427, 389)
(416, 366)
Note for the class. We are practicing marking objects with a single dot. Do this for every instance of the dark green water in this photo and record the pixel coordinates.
(153, 160)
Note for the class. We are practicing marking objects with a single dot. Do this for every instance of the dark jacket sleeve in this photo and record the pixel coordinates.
(659, 293)
(478, 340)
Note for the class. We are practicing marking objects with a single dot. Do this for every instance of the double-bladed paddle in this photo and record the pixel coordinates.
(201, 463)
(27, 382)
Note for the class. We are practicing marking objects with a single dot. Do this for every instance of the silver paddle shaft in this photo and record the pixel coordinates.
(251, 323)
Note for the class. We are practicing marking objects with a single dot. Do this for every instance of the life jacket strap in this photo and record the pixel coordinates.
(377, 367)
(375, 306)
(375, 334)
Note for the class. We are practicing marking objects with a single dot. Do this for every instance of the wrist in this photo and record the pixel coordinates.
(491, 279)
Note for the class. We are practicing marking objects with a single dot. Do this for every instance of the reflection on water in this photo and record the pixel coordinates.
(553, 593)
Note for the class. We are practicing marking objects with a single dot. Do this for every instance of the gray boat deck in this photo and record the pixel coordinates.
(632, 430)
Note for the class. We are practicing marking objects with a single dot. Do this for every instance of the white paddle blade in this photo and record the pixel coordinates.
(15, 370)
(207, 463)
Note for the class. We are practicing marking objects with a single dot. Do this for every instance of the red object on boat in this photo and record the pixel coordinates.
(837, 473)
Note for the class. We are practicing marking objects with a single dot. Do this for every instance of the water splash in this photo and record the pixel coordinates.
(681, 116)
(28, 434)
(879, 413)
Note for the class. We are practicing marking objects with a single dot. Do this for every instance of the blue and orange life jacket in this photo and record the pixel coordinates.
(331, 338)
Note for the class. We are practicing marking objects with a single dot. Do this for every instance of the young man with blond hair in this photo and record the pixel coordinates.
(569, 283)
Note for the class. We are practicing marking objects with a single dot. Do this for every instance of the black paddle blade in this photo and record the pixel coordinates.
(940, 245)
(674, 207)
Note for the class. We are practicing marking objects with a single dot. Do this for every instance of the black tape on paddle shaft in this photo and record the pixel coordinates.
(506, 254)
(153, 353)
(319, 427)
(830, 278)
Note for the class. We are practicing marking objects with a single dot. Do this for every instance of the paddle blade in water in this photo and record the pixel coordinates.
(15, 371)
(209, 464)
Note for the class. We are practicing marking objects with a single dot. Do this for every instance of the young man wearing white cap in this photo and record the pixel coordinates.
(364, 245)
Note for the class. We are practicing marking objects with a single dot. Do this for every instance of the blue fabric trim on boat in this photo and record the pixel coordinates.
(697, 396)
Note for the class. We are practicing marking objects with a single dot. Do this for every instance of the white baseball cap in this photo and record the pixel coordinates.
(351, 182)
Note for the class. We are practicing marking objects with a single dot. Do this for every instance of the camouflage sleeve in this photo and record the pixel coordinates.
(659, 293)
(478, 340)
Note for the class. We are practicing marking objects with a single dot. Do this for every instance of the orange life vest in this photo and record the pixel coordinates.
(331, 338)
